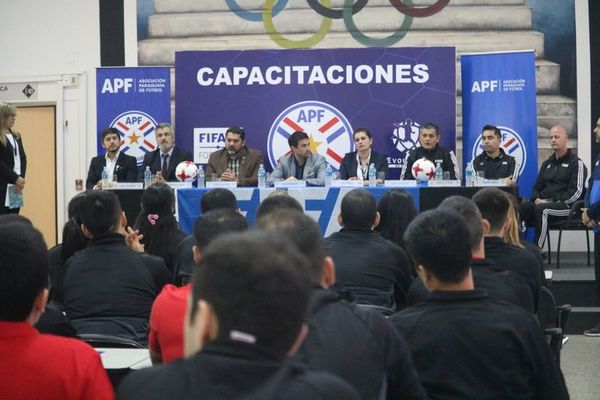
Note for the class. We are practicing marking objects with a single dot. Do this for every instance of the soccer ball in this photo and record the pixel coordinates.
(423, 170)
(186, 171)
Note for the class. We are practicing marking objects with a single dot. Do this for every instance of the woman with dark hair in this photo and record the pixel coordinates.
(356, 164)
(157, 223)
(396, 210)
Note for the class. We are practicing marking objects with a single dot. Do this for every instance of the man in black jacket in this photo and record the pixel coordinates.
(118, 164)
(493, 161)
(559, 184)
(465, 344)
(166, 158)
(357, 344)
(429, 139)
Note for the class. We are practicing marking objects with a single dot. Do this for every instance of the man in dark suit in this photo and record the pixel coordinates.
(166, 158)
(119, 164)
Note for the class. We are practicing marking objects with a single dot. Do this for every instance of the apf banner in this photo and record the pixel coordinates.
(499, 89)
(133, 100)
(326, 93)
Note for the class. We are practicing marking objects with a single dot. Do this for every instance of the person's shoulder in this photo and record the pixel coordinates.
(254, 152)
(155, 382)
(182, 153)
(127, 157)
(68, 348)
(319, 385)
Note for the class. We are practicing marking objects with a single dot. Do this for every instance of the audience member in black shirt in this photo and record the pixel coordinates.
(465, 344)
(396, 210)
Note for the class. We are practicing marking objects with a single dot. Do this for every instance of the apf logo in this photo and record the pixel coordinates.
(329, 131)
(116, 84)
(512, 143)
(485, 86)
(405, 136)
(136, 129)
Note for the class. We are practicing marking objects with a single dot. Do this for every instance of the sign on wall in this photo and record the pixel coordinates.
(326, 93)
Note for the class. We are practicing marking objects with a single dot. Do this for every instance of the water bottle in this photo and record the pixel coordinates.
(105, 178)
(262, 177)
(201, 177)
(469, 175)
(328, 175)
(147, 177)
(372, 176)
(439, 172)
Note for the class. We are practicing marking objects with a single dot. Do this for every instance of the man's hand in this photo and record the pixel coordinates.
(229, 176)
(291, 178)
(132, 238)
(590, 223)
(19, 184)
(541, 201)
(510, 182)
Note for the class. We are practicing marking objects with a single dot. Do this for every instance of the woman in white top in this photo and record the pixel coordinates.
(13, 161)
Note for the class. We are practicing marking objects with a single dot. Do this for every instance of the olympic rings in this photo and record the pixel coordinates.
(267, 18)
(375, 42)
(419, 12)
(332, 13)
(254, 16)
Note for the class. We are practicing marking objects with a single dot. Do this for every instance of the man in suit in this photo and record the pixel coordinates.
(235, 162)
(119, 164)
(301, 164)
(166, 158)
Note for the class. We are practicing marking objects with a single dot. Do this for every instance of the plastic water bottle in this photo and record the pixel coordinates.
(469, 175)
(439, 172)
(105, 178)
(147, 177)
(201, 177)
(328, 175)
(372, 176)
(262, 177)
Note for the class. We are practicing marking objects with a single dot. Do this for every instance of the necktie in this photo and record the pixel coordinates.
(165, 165)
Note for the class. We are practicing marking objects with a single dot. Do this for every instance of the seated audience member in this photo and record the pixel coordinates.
(109, 288)
(246, 316)
(164, 160)
(235, 162)
(493, 161)
(358, 345)
(157, 223)
(429, 148)
(497, 282)
(376, 271)
(396, 210)
(560, 183)
(465, 344)
(494, 206)
(118, 164)
(277, 200)
(34, 365)
(356, 164)
(301, 163)
(165, 336)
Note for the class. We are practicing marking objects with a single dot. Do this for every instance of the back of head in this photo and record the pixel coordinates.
(470, 215)
(159, 199)
(396, 210)
(24, 268)
(436, 240)
(278, 200)
(100, 212)
(218, 198)
(73, 239)
(217, 222)
(358, 209)
(303, 232)
(255, 288)
(494, 205)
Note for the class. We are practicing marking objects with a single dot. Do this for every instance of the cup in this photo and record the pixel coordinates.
(380, 178)
(446, 176)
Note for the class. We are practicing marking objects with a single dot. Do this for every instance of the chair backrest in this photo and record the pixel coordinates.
(547, 312)
(110, 341)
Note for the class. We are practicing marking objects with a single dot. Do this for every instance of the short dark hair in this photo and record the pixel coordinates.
(217, 222)
(100, 212)
(278, 200)
(296, 137)
(303, 232)
(24, 266)
(358, 209)
(492, 128)
(437, 240)
(218, 198)
(470, 214)
(365, 130)
(255, 287)
(431, 125)
(109, 131)
(238, 131)
(493, 204)
(396, 210)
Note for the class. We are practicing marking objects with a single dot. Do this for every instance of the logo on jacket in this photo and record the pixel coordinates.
(136, 129)
(512, 143)
(329, 131)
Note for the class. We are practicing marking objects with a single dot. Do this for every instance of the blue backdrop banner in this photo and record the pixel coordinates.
(133, 100)
(499, 89)
(326, 93)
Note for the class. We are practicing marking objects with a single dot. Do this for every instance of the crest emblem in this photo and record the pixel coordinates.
(136, 129)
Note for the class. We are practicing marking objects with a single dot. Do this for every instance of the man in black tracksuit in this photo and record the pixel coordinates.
(493, 161)
(429, 139)
(559, 184)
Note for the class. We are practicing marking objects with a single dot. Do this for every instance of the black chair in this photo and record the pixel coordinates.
(109, 341)
(571, 223)
(553, 320)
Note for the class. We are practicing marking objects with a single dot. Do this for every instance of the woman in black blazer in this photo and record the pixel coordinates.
(13, 161)
(356, 165)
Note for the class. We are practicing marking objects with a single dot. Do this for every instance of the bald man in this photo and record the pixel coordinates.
(559, 184)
